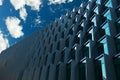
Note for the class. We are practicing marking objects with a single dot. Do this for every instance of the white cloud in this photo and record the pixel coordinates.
(70, 1)
(23, 13)
(4, 43)
(59, 1)
(56, 1)
(18, 4)
(34, 4)
(14, 27)
(1, 2)
(38, 21)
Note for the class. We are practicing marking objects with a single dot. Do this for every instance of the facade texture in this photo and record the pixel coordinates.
(84, 44)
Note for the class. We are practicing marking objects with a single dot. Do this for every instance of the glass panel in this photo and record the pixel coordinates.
(98, 70)
(98, 1)
(103, 8)
(107, 31)
(94, 21)
(108, 15)
(85, 15)
(77, 39)
(85, 52)
(55, 37)
(79, 28)
(82, 72)
(58, 46)
(79, 11)
(118, 2)
(51, 47)
(79, 35)
(117, 67)
(118, 26)
(53, 31)
(88, 7)
(62, 35)
(53, 58)
(88, 36)
(109, 4)
(62, 56)
(46, 59)
(71, 31)
(100, 49)
(73, 52)
(82, 25)
(67, 43)
(118, 44)
(103, 68)
(68, 74)
(66, 25)
(76, 19)
(106, 27)
(96, 10)
(59, 29)
(101, 32)
(57, 72)
(48, 70)
(91, 32)
(104, 42)
(105, 48)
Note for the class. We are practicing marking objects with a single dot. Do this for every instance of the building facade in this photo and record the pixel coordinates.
(84, 44)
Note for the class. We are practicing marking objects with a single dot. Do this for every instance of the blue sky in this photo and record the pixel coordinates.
(20, 18)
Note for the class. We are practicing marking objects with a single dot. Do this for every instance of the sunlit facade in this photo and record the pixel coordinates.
(84, 44)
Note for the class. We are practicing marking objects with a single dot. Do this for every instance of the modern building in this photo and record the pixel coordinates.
(84, 44)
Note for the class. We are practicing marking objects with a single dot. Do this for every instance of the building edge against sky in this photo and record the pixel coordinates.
(84, 44)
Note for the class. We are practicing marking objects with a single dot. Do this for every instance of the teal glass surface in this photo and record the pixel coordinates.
(107, 30)
(118, 44)
(109, 4)
(108, 15)
(98, 1)
(118, 26)
(105, 46)
(94, 21)
(103, 68)
(117, 67)
(96, 10)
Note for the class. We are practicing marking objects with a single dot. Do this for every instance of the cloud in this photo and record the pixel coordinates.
(1, 2)
(70, 1)
(59, 1)
(14, 27)
(34, 4)
(4, 43)
(18, 4)
(56, 1)
(23, 13)
(38, 21)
